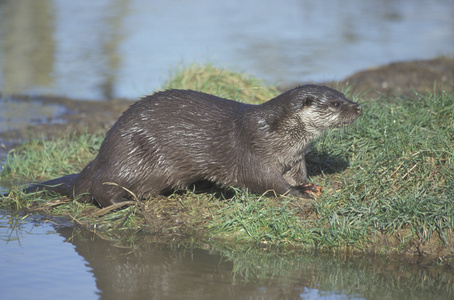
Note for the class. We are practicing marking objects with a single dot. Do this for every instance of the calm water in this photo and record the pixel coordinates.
(39, 260)
(37, 263)
(125, 48)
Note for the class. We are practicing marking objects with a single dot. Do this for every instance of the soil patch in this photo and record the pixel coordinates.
(405, 78)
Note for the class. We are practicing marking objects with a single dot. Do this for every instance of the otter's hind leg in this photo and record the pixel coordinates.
(108, 193)
(94, 185)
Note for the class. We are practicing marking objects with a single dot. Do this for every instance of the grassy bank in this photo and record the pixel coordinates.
(388, 181)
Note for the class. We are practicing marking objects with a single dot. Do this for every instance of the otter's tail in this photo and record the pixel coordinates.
(62, 185)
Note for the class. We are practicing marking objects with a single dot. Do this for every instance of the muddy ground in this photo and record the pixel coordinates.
(401, 78)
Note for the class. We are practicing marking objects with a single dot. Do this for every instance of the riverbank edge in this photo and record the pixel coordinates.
(381, 243)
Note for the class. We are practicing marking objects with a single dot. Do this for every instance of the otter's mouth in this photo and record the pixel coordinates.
(350, 119)
(345, 123)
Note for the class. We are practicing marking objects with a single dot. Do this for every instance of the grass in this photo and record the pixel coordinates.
(220, 82)
(44, 160)
(401, 172)
(388, 182)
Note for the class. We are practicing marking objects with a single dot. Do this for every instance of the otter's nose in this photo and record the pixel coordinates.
(359, 109)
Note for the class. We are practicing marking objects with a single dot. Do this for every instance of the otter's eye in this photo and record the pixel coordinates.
(336, 104)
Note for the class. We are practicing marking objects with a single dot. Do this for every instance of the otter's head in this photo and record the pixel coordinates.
(314, 108)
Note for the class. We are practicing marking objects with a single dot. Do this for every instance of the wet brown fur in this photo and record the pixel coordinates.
(171, 139)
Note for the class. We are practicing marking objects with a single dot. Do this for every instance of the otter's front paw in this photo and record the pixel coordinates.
(310, 189)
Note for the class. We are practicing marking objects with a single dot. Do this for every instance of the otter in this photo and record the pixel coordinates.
(172, 139)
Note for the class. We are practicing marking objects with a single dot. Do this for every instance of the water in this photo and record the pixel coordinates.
(116, 48)
(41, 260)
(37, 263)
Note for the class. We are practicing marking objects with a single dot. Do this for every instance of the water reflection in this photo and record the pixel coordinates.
(125, 48)
(36, 263)
(33, 253)
(27, 51)
(178, 271)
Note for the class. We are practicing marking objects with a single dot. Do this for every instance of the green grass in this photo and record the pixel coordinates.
(388, 181)
(222, 83)
(401, 171)
(401, 166)
(262, 219)
(38, 160)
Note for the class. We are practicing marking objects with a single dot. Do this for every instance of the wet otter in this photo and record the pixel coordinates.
(171, 139)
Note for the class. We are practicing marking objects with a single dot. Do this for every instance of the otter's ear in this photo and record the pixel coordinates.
(302, 103)
(307, 101)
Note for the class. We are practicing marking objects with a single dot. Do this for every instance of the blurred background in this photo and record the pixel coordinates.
(126, 48)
